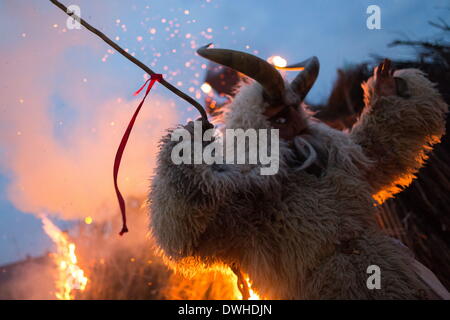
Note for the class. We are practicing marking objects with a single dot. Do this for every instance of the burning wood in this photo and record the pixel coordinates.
(70, 276)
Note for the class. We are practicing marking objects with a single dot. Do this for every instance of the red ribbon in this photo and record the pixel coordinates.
(153, 78)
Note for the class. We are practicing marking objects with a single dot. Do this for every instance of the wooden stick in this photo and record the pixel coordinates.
(166, 84)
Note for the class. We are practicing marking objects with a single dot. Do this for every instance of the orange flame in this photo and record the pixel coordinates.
(277, 61)
(253, 294)
(70, 275)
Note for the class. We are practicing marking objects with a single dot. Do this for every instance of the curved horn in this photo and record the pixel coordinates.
(256, 68)
(305, 79)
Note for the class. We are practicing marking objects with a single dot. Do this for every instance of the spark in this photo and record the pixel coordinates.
(88, 220)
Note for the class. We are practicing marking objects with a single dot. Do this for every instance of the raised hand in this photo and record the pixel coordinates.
(385, 83)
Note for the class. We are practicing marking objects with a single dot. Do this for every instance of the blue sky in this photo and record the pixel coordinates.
(162, 34)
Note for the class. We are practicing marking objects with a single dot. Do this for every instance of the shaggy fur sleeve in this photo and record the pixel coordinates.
(185, 199)
(396, 133)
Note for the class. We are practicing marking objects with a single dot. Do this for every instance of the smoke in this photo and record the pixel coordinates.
(29, 279)
(62, 114)
(60, 126)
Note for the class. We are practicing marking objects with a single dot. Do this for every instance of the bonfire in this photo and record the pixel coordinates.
(70, 276)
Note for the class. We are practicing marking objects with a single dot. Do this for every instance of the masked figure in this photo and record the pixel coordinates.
(309, 231)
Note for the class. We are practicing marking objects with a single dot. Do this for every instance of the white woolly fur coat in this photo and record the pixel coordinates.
(296, 234)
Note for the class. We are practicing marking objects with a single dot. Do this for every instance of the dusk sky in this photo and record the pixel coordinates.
(67, 97)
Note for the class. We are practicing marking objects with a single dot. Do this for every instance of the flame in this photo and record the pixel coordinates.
(253, 294)
(70, 275)
(277, 61)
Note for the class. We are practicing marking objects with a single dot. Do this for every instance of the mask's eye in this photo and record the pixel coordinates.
(280, 120)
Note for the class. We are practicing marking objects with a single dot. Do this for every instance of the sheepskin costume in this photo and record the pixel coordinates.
(303, 233)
